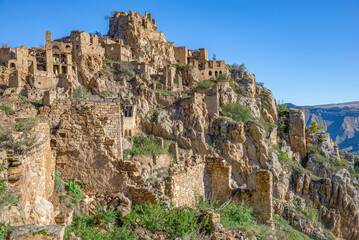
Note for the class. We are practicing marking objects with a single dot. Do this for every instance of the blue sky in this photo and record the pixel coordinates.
(305, 51)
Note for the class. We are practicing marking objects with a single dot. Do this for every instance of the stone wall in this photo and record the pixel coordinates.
(87, 137)
(186, 184)
(220, 175)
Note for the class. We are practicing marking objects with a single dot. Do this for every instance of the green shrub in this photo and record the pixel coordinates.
(75, 189)
(260, 84)
(282, 109)
(37, 104)
(6, 109)
(205, 84)
(222, 78)
(4, 230)
(316, 151)
(315, 127)
(237, 112)
(337, 164)
(19, 136)
(177, 222)
(125, 71)
(90, 228)
(285, 231)
(6, 195)
(237, 216)
(145, 146)
(41, 232)
(57, 181)
(237, 67)
(311, 212)
(239, 90)
(80, 93)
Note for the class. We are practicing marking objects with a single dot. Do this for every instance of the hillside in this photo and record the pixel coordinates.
(128, 136)
(341, 121)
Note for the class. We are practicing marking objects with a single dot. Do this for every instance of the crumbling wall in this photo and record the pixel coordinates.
(220, 175)
(186, 184)
(87, 138)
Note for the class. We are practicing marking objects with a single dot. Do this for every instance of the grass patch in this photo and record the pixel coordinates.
(75, 189)
(6, 109)
(177, 222)
(205, 84)
(6, 195)
(147, 147)
(57, 181)
(237, 112)
(80, 93)
(92, 227)
(239, 90)
(296, 166)
(285, 231)
(4, 230)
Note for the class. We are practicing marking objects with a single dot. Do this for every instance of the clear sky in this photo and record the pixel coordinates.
(305, 51)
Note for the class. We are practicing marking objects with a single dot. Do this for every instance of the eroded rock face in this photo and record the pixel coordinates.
(297, 131)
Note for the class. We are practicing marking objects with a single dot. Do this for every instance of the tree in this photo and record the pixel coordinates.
(315, 127)
(214, 57)
(237, 67)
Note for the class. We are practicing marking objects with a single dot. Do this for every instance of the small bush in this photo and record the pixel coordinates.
(205, 84)
(90, 228)
(57, 181)
(177, 222)
(4, 230)
(75, 189)
(20, 136)
(315, 127)
(237, 67)
(316, 151)
(337, 164)
(145, 146)
(237, 112)
(239, 90)
(260, 84)
(285, 231)
(6, 109)
(80, 93)
(282, 108)
(311, 212)
(6, 195)
(237, 216)
(222, 78)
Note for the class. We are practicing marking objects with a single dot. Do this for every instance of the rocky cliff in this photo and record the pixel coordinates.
(141, 144)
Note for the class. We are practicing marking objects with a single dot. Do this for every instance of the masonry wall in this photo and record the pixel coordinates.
(186, 184)
(88, 143)
(220, 175)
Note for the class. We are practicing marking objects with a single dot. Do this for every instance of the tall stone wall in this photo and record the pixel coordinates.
(186, 184)
(87, 137)
(220, 175)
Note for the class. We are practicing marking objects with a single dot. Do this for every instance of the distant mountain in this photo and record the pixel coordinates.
(341, 121)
